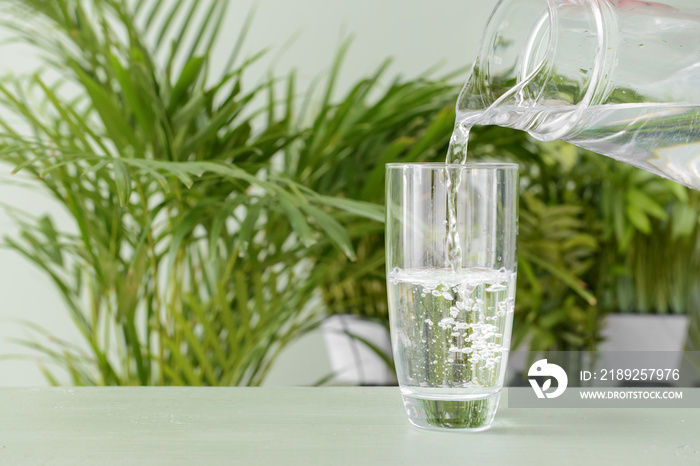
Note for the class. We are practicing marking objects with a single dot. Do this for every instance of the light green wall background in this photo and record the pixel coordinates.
(417, 34)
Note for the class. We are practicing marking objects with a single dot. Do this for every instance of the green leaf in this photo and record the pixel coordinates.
(183, 30)
(110, 113)
(297, 220)
(181, 368)
(183, 229)
(644, 203)
(190, 73)
(374, 348)
(437, 131)
(198, 359)
(175, 7)
(638, 219)
(210, 338)
(573, 282)
(374, 185)
(247, 229)
(335, 231)
(122, 179)
(580, 240)
(52, 245)
(680, 191)
(215, 11)
(138, 102)
(683, 221)
(360, 208)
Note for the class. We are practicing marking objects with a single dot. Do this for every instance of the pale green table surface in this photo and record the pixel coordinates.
(334, 425)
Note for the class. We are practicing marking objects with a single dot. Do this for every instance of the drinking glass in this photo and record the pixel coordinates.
(451, 270)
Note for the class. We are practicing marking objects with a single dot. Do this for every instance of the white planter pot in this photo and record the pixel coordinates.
(661, 335)
(352, 361)
(644, 332)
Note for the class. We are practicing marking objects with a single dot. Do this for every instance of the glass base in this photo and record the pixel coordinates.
(472, 415)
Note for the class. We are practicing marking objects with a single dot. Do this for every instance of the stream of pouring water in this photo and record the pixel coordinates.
(456, 154)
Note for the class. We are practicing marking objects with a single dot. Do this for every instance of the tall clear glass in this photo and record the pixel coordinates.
(451, 269)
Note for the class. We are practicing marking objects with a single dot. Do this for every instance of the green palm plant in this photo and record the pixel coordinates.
(206, 221)
(342, 154)
(192, 260)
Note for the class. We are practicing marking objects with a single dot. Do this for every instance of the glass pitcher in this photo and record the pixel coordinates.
(618, 77)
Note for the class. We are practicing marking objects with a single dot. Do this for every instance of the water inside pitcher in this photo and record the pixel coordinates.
(618, 77)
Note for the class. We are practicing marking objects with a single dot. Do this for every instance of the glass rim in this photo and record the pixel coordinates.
(468, 165)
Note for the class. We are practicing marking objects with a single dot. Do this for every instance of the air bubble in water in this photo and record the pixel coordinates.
(445, 322)
(496, 287)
